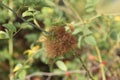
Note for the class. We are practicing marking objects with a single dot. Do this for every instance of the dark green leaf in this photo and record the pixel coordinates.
(10, 27)
(113, 35)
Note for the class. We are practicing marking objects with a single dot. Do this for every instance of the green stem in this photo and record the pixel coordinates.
(11, 45)
(51, 65)
(101, 65)
(10, 42)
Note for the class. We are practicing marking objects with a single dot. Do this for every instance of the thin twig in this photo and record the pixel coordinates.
(17, 32)
(101, 65)
(84, 66)
(24, 19)
(40, 74)
(53, 73)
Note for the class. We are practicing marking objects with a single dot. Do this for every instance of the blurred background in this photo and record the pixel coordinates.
(94, 23)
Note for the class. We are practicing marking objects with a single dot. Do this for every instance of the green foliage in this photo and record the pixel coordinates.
(94, 23)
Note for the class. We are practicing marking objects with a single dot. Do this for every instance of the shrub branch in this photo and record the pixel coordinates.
(23, 18)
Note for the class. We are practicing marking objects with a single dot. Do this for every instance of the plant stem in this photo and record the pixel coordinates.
(84, 66)
(52, 63)
(11, 45)
(10, 42)
(101, 65)
(77, 55)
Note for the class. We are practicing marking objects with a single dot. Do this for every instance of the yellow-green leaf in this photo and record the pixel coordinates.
(3, 35)
(27, 13)
(17, 67)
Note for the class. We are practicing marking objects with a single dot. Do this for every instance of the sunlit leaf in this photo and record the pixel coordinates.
(61, 65)
(17, 67)
(27, 13)
(32, 51)
(4, 35)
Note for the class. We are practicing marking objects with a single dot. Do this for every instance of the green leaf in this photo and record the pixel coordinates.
(4, 35)
(61, 65)
(22, 75)
(31, 9)
(27, 13)
(87, 32)
(77, 30)
(10, 27)
(90, 40)
(113, 35)
(26, 25)
(17, 67)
